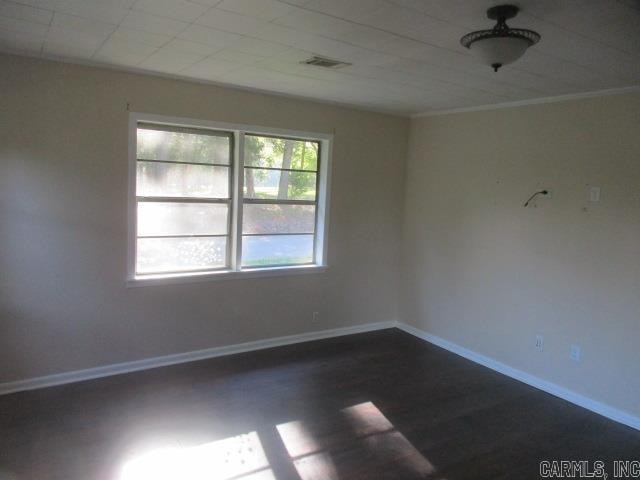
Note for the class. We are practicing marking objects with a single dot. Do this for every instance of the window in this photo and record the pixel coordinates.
(183, 186)
(279, 197)
(215, 200)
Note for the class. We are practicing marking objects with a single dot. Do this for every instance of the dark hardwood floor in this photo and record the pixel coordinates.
(381, 405)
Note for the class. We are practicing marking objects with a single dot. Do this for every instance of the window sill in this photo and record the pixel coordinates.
(150, 280)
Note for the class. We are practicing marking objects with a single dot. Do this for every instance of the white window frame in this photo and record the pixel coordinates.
(235, 271)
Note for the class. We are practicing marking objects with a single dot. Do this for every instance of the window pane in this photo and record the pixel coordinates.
(162, 218)
(174, 180)
(183, 147)
(278, 184)
(280, 153)
(269, 218)
(267, 250)
(156, 255)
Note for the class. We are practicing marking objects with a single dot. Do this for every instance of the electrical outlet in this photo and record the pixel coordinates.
(576, 353)
(316, 316)
(594, 194)
(539, 343)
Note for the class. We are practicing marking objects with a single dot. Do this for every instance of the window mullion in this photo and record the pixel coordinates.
(278, 201)
(183, 199)
(237, 195)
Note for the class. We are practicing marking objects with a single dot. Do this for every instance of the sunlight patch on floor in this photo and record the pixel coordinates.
(383, 440)
(317, 466)
(241, 457)
(311, 447)
(297, 439)
(369, 430)
(366, 419)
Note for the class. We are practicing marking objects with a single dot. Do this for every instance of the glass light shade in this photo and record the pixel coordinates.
(499, 50)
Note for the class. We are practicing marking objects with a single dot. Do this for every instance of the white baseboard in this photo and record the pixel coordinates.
(544, 385)
(147, 363)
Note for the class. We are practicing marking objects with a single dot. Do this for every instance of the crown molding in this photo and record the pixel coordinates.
(531, 101)
(201, 81)
(318, 101)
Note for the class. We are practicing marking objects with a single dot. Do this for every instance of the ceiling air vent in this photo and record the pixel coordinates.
(324, 62)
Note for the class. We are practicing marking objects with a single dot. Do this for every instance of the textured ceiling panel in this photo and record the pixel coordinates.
(405, 54)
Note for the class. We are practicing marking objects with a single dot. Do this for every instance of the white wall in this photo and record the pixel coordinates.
(479, 270)
(63, 197)
(485, 273)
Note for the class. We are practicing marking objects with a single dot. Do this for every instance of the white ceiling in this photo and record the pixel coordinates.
(406, 54)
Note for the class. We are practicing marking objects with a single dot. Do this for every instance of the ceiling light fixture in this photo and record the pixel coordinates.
(501, 45)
